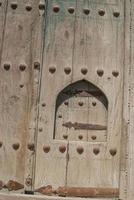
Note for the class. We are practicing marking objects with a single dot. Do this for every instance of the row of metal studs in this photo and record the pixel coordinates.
(62, 148)
(86, 11)
(67, 70)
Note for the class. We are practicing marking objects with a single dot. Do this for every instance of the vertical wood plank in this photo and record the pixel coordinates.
(19, 91)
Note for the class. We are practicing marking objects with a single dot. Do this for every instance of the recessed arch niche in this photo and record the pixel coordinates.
(81, 113)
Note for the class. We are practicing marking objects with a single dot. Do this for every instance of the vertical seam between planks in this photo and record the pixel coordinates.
(39, 88)
(3, 32)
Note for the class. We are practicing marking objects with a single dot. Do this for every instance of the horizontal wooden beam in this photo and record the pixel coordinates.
(88, 192)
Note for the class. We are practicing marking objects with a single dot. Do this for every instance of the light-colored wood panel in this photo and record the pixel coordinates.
(19, 94)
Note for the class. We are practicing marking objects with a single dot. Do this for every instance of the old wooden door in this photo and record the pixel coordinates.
(81, 97)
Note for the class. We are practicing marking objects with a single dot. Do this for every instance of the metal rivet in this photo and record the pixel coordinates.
(86, 11)
(67, 70)
(96, 151)
(80, 149)
(22, 67)
(93, 137)
(43, 105)
(46, 148)
(80, 103)
(101, 12)
(94, 103)
(62, 148)
(31, 146)
(115, 73)
(52, 70)
(80, 137)
(40, 129)
(84, 71)
(7, 66)
(28, 8)
(28, 181)
(65, 136)
(113, 152)
(1, 143)
(1, 185)
(21, 85)
(16, 146)
(100, 72)
(56, 9)
(66, 103)
(116, 14)
(41, 6)
(37, 65)
(71, 10)
(14, 5)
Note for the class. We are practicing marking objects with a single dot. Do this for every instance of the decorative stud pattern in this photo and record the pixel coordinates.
(115, 73)
(94, 137)
(56, 9)
(84, 71)
(7, 66)
(100, 72)
(16, 146)
(65, 136)
(71, 10)
(31, 146)
(86, 11)
(52, 70)
(46, 148)
(113, 152)
(80, 149)
(62, 148)
(14, 5)
(22, 67)
(101, 12)
(67, 70)
(28, 8)
(37, 65)
(41, 6)
(116, 14)
(96, 151)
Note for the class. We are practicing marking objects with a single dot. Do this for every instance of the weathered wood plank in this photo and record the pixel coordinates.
(58, 53)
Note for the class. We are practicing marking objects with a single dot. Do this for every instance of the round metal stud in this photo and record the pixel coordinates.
(80, 149)
(16, 146)
(80, 137)
(52, 70)
(116, 14)
(96, 151)
(46, 148)
(67, 70)
(56, 9)
(101, 12)
(93, 137)
(41, 6)
(71, 10)
(1, 143)
(62, 148)
(14, 5)
(7, 66)
(100, 72)
(31, 146)
(84, 71)
(115, 73)
(28, 8)
(22, 67)
(86, 11)
(65, 136)
(113, 152)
